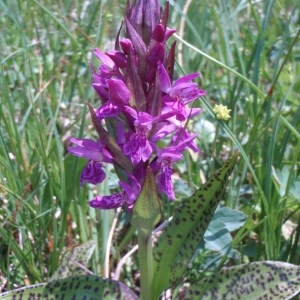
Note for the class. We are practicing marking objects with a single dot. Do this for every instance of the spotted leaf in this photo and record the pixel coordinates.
(258, 280)
(75, 288)
(180, 239)
(70, 281)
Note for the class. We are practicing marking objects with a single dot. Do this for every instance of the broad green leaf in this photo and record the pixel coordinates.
(178, 242)
(76, 288)
(258, 280)
(231, 218)
(217, 237)
(74, 262)
(70, 281)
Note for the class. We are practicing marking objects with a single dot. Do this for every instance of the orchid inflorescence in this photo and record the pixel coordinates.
(143, 109)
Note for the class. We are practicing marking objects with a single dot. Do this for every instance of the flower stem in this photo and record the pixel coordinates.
(145, 214)
(146, 265)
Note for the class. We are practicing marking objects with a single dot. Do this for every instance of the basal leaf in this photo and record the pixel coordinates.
(258, 280)
(75, 288)
(180, 239)
(71, 282)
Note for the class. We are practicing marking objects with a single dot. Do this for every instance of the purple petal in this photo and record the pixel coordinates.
(107, 110)
(164, 78)
(163, 131)
(118, 58)
(102, 91)
(186, 78)
(108, 202)
(183, 89)
(183, 140)
(131, 111)
(104, 72)
(165, 184)
(144, 122)
(158, 33)
(169, 154)
(174, 107)
(118, 92)
(92, 173)
(90, 149)
(104, 58)
(156, 54)
(186, 92)
(126, 45)
(86, 148)
(128, 196)
(138, 148)
(131, 189)
(142, 119)
(84, 142)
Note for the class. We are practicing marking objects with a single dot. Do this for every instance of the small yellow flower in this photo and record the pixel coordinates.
(222, 112)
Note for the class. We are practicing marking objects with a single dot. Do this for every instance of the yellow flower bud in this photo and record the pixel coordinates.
(222, 112)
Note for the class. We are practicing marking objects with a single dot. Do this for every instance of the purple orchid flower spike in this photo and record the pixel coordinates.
(141, 117)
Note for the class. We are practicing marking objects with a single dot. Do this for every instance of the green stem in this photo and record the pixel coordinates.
(145, 214)
(146, 265)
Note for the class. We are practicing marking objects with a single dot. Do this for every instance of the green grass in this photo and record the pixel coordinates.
(248, 54)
